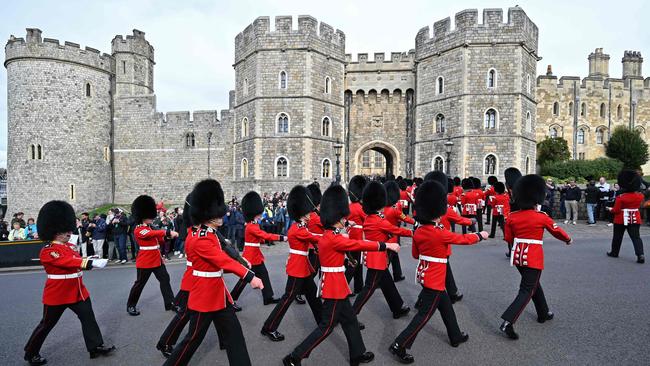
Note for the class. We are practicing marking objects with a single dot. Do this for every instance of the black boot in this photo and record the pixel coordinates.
(132, 311)
(400, 353)
(300, 300)
(399, 278)
(273, 335)
(545, 317)
(35, 360)
(166, 350)
(101, 351)
(364, 358)
(509, 330)
(173, 307)
(640, 259)
(272, 300)
(456, 297)
(288, 360)
(361, 325)
(610, 254)
(236, 307)
(463, 338)
(401, 312)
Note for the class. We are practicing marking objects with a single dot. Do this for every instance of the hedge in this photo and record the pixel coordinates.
(583, 169)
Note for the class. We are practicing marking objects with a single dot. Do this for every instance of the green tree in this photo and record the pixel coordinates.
(627, 146)
(552, 150)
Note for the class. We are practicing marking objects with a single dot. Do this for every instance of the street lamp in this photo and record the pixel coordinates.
(337, 151)
(209, 143)
(449, 145)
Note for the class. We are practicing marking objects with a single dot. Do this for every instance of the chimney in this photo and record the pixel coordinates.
(598, 64)
(632, 62)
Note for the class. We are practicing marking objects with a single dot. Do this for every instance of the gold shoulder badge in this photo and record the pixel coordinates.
(55, 254)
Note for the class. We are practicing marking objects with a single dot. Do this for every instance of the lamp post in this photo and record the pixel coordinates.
(337, 151)
(449, 145)
(209, 143)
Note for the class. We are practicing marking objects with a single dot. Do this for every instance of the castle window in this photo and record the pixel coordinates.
(378, 160)
(438, 164)
(529, 122)
(556, 108)
(245, 87)
(581, 136)
(87, 89)
(328, 85)
(107, 154)
(553, 132)
(528, 84)
(440, 85)
(581, 156)
(440, 123)
(492, 78)
(325, 128)
(491, 118)
(583, 110)
(527, 165)
(123, 67)
(282, 123)
(365, 159)
(326, 169)
(603, 110)
(619, 112)
(600, 135)
(244, 127)
(190, 141)
(281, 167)
(32, 152)
(73, 193)
(570, 108)
(244, 168)
(39, 152)
(283, 79)
(490, 164)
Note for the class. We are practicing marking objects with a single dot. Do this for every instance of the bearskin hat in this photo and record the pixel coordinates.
(392, 192)
(299, 203)
(492, 180)
(374, 197)
(476, 183)
(355, 187)
(251, 205)
(439, 177)
(512, 175)
(401, 183)
(334, 206)
(143, 208)
(450, 185)
(457, 181)
(529, 191)
(629, 180)
(467, 183)
(418, 181)
(430, 201)
(409, 182)
(55, 217)
(206, 201)
(499, 187)
(315, 194)
(187, 217)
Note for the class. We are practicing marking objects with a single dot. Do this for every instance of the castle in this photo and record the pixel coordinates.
(83, 126)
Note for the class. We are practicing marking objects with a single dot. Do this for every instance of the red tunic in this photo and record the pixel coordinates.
(626, 208)
(314, 225)
(331, 252)
(253, 238)
(404, 199)
(209, 261)
(458, 191)
(378, 228)
(430, 247)
(60, 259)
(489, 194)
(148, 241)
(501, 205)
(357, 216)
(469, 202)
(300, 240)
(188, 279)
(525, 230)
(452, 199)
(453, 216)
(480, 202)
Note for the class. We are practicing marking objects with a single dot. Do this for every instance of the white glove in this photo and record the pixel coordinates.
(99, 263)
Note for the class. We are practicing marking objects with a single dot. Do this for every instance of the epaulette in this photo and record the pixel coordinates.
(301, 225)
(380, 215)
(336, 231)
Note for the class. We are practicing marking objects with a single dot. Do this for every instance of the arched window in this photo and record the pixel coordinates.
(440, 85)
(527, 165)
(328, 85)
(600, 135)
(283, 79)
(244, 168)
(619, 112)
(529, 122)
(553, 132)
(583, 110)
(492, 78)
(570, 108)
(32, 152)
(528, 84)
(440, 123)
(490, 119)
(325, 128)
(283, 123)
(326, 169)
(245, 87)
(87, 89)
(490, 165)
(244, 127)
(190, 140)
(556, 109)
(281, 167)
(603, 110)
(581, 136)
(365, 159)
(438, 164)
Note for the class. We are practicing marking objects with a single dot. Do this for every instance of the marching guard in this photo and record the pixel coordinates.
(394, 213)
(489, 195)
(525, 233)
(430, 247)
(64, 287)
(469, 203)
(626, 214)
(500, 208)
(334, 287)
(148, 259)
(355, 231)
(511, 176)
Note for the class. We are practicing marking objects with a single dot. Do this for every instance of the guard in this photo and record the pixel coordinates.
(394, 213)
(626, 214)
(354, 268)
(500, 208)
(469, 203)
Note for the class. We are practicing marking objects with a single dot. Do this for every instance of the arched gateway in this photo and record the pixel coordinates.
(376, 158)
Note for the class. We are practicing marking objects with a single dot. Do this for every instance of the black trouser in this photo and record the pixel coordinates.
(472, 227)
(382, 279)
(355, 272)
(450, 283)
(497, 220)
(430, 300)
(295, 286)
(488, 213)
(52, 314)
(143, 276)
(633, 232)
(313, 260)
(479, 218)
(397, 266)
(529, 288)
(262, 274)
(231, 335)
(334, 312)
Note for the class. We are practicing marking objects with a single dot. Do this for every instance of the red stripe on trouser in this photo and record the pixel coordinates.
(176, 326)
(532, 292)
(198, 323)
(325, 334)
(286, 303)
(373, 287)
(434, 304)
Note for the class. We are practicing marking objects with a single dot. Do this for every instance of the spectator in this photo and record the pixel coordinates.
(80, 242)
(616, 190)
(572, 197)
(280, 217)
(4, 233)
(98, 234)
(231, 224)
(30, 231)
(18, 217)
(592, 198)
(550, 197)
(86, 231)
(120, 228)
(563, 199)
(604, 189)
(134, 244)
(181, 228)
(239, 227)
(16, 233)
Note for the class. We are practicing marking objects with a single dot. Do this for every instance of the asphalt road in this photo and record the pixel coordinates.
(601, 305)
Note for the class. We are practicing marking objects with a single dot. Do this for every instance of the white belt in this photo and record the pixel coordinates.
(520, 241)
(499, 209)
(332, 269)
(257, 245)
(432, 259)
(64, 276)
(207, 274)
(189, 264)
(153, 247)
(298, 252)
(627, 215)
(404, 203)
(357, 227)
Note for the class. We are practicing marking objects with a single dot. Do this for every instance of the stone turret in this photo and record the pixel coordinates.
(632, 63)
(134, 63)
(598, 64)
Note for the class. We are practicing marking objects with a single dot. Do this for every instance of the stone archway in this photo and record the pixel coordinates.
(385, 160)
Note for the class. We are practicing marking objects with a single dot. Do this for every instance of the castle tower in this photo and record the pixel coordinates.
(134, 64)
(632, 63)
(598, 64)
(476, 89)
(288, 111)
(59, 123)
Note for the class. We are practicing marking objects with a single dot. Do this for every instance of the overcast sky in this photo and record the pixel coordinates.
(194, 40)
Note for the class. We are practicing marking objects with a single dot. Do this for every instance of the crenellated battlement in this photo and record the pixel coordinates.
(189, 119)
(551, 82)
(380, 58)
(518, 29)
(135, 43)
(310, 34)
(33, 46)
